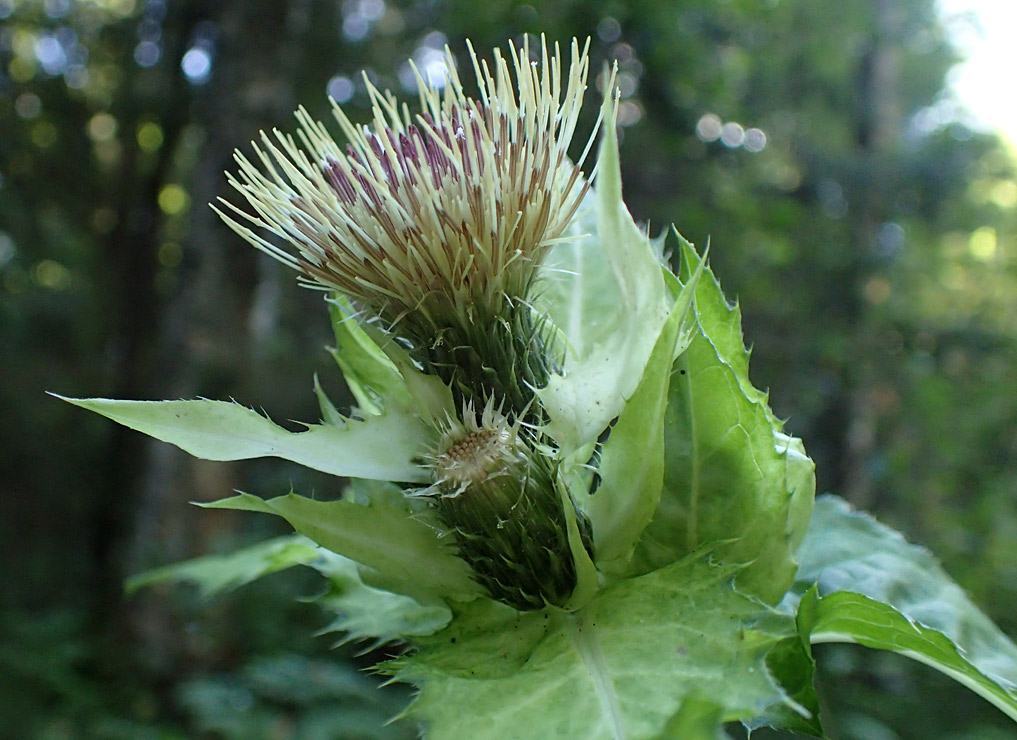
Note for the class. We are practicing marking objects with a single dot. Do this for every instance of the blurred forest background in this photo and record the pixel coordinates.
(868, 233)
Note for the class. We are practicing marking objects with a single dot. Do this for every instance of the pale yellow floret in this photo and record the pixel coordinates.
(481, 446)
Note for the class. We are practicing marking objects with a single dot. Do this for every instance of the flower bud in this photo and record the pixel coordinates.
(500, 498)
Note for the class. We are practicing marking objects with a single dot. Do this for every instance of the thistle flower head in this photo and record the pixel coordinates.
(428, 213)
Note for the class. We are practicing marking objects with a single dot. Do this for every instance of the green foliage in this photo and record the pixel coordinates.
(697, 719)
(618, 668)
(731, 479)
(217, 430)
(632, 460)
(371, 376)
(703, 504)
(363, 612)
(611, 323)
(307, 699)
(214, 574)
(398, 549)
(848, 617)
(902, 587)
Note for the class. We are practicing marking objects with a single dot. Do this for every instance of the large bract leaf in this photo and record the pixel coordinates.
(618, 669)
(399, 552)
(606, 294)
(378, 447)
(732, 480)
(632, 461)
(878, 590)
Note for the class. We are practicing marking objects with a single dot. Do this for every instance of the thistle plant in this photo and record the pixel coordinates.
(565, 496)
(434, 226)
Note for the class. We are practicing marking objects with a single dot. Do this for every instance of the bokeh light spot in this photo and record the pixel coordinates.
(57, 9)
(170, 254)
(629, 113)
(147, 54)
(173, 199)
(7, 248)
(890, 238)
(51, 55)
(372, 10)
(150, 136)
(732, 135)
(609, 30)
(102, 127)
(877, 290)
(44, 134)
(340, 88)
(708, 127)
(197, 65)
(52, 275)
(104, 220)
(21, 69)
(28, 106)
(983, 243)
(1004, 194)
(627, 84)
(355, 27)
(107, 153)
(755, 140)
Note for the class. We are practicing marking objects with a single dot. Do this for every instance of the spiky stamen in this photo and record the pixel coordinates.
(422, 215)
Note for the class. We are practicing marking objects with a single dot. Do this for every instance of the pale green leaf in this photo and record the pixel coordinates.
(698, 719)
(843, 616)
(214, 574)
(848, 551)
(732, 480)
(618, 669)
(368, 613)
(381, 373)
(379, 447)
(403, 553)
(429, 397)
(722, 322)
(632, 461)
(607, 295)
(329, 413)
(578, 289)
(372, 377)
(633, 260)
(587, 578)
(363, 611)
(791, 665)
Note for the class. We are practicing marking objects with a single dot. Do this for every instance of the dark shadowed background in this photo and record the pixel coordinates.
(869, 235)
